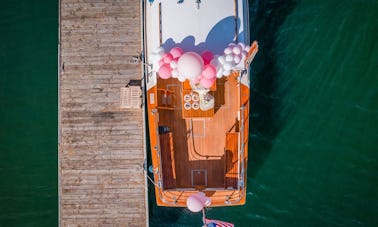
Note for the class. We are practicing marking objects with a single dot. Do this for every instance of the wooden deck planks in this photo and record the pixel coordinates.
(205, 150)
(168, 160)
(101, 147)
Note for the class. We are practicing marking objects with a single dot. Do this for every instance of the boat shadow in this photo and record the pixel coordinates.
(266, 18)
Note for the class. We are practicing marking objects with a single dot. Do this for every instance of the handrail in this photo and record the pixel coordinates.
(157, 147)
(241, 171)
(241, 151)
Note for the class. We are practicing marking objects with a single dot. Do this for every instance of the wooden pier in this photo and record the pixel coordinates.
(101, 146)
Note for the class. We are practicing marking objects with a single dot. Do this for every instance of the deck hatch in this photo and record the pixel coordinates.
(199, 177)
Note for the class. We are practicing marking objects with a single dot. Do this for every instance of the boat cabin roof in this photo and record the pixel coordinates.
(208, 25)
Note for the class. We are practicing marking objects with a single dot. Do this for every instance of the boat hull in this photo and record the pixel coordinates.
(194, 148)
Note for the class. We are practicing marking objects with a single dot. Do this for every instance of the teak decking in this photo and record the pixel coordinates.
(199, 142)
(101, 147)
(199, 153)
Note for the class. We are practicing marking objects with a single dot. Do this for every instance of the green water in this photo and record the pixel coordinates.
(313, 138)
(28, 113)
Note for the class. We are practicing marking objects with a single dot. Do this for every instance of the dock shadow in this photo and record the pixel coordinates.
(266, 19)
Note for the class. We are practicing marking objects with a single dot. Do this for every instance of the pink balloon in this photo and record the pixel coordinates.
(161, 62)
(207, 56)
(176, 52)
(207, 83)
(167, 58)
(190, 65)
(196, 202)
(198, 79)
(204, 199)
(209, 72)
(165, 71)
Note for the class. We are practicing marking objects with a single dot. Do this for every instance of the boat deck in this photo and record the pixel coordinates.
(101, 146)
(199, 143)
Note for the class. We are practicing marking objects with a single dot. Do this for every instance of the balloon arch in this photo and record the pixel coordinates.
(201, 69)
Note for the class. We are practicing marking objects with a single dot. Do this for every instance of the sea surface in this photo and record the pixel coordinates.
(313, 151)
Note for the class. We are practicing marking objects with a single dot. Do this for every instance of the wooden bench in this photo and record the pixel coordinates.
(168, 160)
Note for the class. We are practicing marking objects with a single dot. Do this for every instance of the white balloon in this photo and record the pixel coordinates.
(236, 50)
(160, 55)
(175, 73)
(155, 62)
(151, 58)
(157, 57)
(241, 45)
(181, 78)
(228, 50)
(159, 50)
(231, 45)
(247, 48)
(237, 59)
(220, 71)
(227, 66)
(226, 72)
(173, 64)
(229, 58)
(221, 59)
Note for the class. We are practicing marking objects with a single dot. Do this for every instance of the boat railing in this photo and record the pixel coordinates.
(181, 195)
(158, 171)
(241, 169)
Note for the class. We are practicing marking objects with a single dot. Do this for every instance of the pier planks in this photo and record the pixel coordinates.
(101, 147)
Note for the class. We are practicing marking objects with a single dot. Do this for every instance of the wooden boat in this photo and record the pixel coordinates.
(198, 121)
